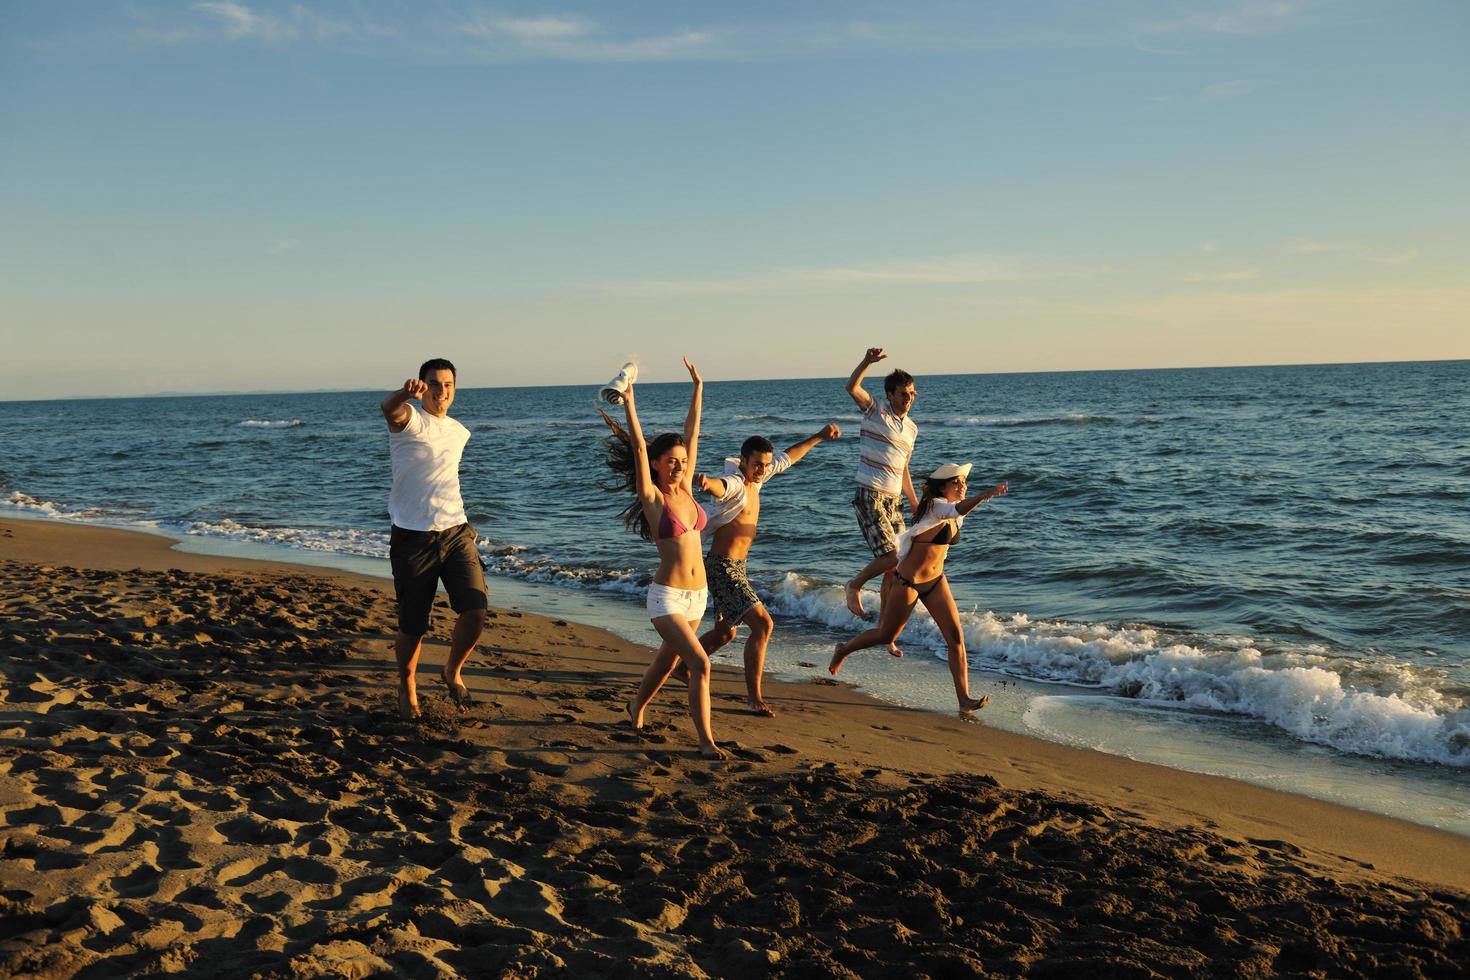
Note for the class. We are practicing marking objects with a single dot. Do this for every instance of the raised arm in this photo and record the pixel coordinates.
(828, 433)
(970, 503)
(691, 424)
(855, 380)
(647, 491)
(395, 406)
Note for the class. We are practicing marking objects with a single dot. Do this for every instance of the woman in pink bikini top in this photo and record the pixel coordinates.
(661, 476)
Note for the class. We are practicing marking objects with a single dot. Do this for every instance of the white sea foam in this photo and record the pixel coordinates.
(1392, 710)
(50, 508)
(366, 544)
(273, 423)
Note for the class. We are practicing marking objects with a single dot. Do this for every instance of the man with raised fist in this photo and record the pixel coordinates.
(432, 539)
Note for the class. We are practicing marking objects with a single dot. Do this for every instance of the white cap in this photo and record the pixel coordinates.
(951, 470)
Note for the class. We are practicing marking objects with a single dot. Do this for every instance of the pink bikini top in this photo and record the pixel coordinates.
(669, 525)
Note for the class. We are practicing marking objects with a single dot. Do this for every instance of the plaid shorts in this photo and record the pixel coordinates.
(729, 587)
(881, 519)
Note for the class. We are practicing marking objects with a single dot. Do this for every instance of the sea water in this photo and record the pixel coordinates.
(1262, 573)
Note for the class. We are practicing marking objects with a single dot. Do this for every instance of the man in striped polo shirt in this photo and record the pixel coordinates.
(884, 450)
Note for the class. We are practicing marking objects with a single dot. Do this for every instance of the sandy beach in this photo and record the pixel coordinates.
(202, 773)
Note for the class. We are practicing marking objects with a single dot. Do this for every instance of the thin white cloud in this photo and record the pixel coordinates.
(229, 20)
(529, 30)
(1252, 17)
(1224, 91)
(1395, 258)
(1209, 247)
(573, 38)
(950, 271)
(238, 21)
(1222, 275)
(1241, 18)
(283, 245)
(1308, 246)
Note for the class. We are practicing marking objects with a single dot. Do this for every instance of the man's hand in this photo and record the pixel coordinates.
(693, 372)
(874, 355)
(830, 432)
(415, 389)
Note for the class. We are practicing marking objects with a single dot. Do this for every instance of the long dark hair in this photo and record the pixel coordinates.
(932, 488)
(623, 462)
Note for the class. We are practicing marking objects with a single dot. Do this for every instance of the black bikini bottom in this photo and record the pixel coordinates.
(923, 588)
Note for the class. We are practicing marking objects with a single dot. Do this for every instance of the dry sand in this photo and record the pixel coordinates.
(202, 772)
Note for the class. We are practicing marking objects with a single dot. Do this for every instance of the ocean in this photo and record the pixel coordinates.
(1258, 572)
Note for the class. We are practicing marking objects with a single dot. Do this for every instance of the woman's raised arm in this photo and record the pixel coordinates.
(691, 424)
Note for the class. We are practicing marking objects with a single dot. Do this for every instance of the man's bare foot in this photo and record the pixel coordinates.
(408, 703)
(854, 596)
(712, 751)
(760, 708)
(458, 693)
(835, 664)
(970, 704)
(894, 651)
(636, 719)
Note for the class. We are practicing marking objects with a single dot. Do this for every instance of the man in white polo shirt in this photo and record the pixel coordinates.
(431, 539)
(885, 446)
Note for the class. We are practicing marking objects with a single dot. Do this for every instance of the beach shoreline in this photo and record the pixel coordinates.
(113, 636)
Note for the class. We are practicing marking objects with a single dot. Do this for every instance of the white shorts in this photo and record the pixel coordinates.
(684, 603)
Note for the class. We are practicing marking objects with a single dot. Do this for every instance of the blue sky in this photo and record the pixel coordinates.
(248, 195)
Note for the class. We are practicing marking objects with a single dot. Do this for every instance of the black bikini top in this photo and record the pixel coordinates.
(948, 534)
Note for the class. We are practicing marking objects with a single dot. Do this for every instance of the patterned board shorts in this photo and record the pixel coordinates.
(880, 518)
(729, 587)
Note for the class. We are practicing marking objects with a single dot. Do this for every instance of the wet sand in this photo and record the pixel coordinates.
(202, 772)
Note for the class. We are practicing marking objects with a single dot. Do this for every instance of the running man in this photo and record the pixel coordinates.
(884, 450)
(432, 538)
(730, 532)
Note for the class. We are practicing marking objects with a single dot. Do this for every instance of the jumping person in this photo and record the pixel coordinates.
(432, 538)
(730, 532)
(884, 450)
(919, 576)
(660, 475)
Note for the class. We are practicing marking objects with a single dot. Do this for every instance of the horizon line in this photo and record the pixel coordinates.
(226, 393)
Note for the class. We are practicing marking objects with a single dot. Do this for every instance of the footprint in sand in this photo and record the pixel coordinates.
(141, 882)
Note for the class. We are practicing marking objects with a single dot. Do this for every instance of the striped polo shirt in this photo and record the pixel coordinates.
(885, 445)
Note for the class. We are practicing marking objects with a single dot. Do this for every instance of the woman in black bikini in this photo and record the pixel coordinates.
(919, 576)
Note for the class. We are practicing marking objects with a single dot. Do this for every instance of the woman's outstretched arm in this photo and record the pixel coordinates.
(970, 503)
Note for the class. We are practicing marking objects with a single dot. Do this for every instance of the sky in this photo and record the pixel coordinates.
(246, 195)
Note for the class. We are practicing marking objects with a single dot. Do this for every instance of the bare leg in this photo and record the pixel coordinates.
(467, 630)
(761, 628)
(406, 650)
(940, 603)
(653, 679)
(679, 636)
(898, 605)
(853, 590)
(719, 634)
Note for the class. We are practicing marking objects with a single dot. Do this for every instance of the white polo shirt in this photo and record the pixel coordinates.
(425, 454)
